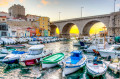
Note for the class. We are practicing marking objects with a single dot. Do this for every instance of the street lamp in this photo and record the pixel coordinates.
(59, 15)
(81, 11)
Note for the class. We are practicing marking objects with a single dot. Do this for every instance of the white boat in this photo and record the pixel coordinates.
(114, 66)
(112, 51)
(33, 56)
(95, 67)
(13, 57)
(34, 42)
(52, 60)
(77, 43)
(4, 52)
(97, 44)
(73, 63)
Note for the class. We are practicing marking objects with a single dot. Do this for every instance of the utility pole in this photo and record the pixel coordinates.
(59, 15)
(81, 11)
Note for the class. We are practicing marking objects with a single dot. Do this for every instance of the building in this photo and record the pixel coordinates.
(17, 11)
(38, 32)
(5, 16)
(32, 31)
(3, 29)
(30, 17)
(3, 19)
(44, 25)
(19, 28)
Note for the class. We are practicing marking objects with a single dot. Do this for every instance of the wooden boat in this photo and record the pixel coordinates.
(96, 67)
(13, 57)
(113, 51)
(34, 42)
(71, 64)
(52, 60)
(14, 46)
(35, 53)
(5, 52)
(113, 65)
(97, 44)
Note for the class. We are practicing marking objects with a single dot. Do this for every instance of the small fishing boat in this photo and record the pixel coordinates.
(52, 60)
(74, 62)
(112, 51)
(97, 44)
(13, 57)
(96, 67)
(34, 42)
(76, 43)
(35, 53)
(5, 52)
(14, 46)
(113, 65)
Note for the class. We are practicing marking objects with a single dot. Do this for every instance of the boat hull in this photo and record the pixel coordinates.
(76, 44)
(48, 65)
(113, 67)
(29, 62)
(95, 74)
(106, 54)
(70, 69)
(10, 61)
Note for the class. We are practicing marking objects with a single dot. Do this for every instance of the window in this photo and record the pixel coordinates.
(29, 19)
(3, 19)
(13, 32)
(4, 34)
(35, 52)
(43, 26)
(43, 19)
(43, 22)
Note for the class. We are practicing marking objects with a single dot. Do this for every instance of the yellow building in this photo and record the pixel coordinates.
(44, 24)
(38, 32)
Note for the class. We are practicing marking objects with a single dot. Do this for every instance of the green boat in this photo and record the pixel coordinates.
(52, 60)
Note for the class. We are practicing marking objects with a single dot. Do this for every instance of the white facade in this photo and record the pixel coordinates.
(32, 17)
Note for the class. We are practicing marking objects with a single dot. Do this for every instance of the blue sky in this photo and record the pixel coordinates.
(68, 8)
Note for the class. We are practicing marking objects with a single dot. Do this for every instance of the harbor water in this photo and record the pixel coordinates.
(15, 71)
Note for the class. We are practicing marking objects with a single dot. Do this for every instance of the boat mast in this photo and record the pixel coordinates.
(104, 36)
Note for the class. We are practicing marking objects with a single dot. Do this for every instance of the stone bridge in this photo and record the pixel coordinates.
(111, 21)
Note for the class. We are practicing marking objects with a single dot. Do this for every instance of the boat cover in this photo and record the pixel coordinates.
(18, 52)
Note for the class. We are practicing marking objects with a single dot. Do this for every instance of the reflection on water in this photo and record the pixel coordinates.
(15, 71)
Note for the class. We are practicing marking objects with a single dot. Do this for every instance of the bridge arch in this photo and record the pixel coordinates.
(88, 25)
(53, 30)
(66, 29)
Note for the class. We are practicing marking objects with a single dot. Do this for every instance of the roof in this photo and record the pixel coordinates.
(76, 51)
(37, 47)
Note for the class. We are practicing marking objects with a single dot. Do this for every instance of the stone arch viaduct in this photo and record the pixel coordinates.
(111, 21)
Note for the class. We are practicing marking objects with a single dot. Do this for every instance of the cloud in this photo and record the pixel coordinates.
(39, 6)
(4, 3)
(44, 2)
(118, 5)
(21, 1)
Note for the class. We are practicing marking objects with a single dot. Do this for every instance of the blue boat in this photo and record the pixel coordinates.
(73, 63)
(13, 57)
